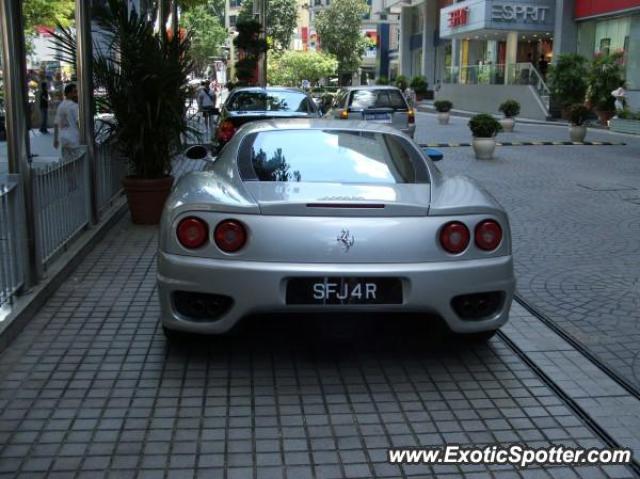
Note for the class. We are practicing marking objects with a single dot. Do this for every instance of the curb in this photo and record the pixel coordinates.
(27, 305)
(528, 143)
(469, 114)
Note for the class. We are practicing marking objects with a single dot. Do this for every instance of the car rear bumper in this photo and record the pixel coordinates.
(260, 287)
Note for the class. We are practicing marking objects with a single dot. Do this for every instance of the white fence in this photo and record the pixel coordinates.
(110, 169)
(61, 204)
(12, 238)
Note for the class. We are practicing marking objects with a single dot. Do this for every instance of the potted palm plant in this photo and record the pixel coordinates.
(144, 77)
(443, 107)
(578, 114)
(606, 74)
(484, 128)
(510, 109)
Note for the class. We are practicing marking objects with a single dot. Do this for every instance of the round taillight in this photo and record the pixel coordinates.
(226, 130)
(454, 237)
(192, 232)
(488, 235)
(230, 236)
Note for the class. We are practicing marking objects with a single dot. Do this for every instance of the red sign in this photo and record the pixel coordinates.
(458, 17)
(589, 8)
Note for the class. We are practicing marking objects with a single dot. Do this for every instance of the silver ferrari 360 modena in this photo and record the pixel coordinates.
(332, 217)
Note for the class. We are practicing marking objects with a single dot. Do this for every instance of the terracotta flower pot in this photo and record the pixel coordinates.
(604, 115)
(146, 198)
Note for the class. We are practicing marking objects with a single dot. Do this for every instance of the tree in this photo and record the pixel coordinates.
(568, 79)
(214, 7)
(207, 34)
(47, 12)
(291, 67)
(338, 28)
(281, 20)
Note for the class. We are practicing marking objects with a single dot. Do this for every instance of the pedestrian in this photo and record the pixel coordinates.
(66, 132)
(206, 102)
(620, 95)
(410, 96)
(543, 66)
(44, 106)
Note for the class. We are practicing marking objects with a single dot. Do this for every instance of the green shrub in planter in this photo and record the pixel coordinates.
(510, 108)
(382, 81)
(578, 114)
(606, 74)
(568, 79)
(442, 106)
(419, 85)
(484, 125)
(402, 82)
(627, 114)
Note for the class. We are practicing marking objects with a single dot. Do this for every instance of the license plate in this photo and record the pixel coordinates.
(337, 290)
(378, 117)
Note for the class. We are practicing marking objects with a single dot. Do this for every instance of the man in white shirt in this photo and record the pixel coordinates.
(206, 103)
(66, 132)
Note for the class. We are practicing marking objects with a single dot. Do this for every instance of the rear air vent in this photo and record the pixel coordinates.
(346, 205)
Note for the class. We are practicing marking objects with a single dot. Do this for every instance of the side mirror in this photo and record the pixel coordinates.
(199, 152)
(433, 154)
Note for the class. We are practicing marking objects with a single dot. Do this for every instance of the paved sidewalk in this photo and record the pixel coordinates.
(90, 389)
(575, 216)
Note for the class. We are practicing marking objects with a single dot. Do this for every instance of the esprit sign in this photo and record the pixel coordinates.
(519, 13)
(458, 17)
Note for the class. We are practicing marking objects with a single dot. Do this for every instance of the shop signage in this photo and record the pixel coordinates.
(458, 17)
(479, 17)
(519, 13)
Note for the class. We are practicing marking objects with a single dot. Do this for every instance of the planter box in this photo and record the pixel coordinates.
(625, 126)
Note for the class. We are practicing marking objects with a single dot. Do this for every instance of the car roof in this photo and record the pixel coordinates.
(371, 87)
(268, 89)
(315, 124)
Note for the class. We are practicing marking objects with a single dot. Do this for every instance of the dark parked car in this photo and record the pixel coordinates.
(255, 103)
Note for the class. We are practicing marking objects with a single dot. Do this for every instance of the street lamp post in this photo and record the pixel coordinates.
(18, 151)
(85, 97)
(260, 9)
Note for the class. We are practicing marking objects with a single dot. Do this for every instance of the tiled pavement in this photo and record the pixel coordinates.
(575, 218)
(91, 389)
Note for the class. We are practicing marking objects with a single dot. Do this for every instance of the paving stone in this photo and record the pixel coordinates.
(91, 385)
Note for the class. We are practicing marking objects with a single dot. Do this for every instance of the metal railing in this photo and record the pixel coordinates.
(12, 238)
(61, 205)
(500, 74)
(110, 169)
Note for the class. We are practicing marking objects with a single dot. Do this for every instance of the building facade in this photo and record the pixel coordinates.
(510, 43)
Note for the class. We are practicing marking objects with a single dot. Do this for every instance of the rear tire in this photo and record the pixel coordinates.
(173, 336)
(477, 338)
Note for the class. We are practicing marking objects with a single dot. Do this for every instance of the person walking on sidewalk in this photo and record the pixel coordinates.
(206, 103)
(43, 97)
(66, 132)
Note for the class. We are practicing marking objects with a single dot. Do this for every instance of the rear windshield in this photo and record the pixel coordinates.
(363, 99)
(330, 156)
(270, 101)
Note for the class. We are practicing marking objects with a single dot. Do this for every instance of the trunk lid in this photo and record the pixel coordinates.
(339, 199)
(239, 118)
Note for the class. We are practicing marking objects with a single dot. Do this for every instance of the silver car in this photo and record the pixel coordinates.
(379, 104)
(308, 216)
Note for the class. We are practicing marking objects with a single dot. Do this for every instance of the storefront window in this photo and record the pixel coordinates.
(610, 36)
